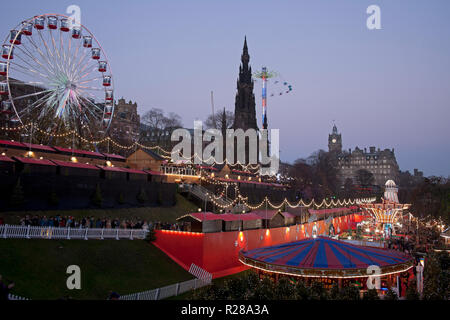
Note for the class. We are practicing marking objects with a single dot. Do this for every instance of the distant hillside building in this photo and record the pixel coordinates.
(125, 123)
(381, 163)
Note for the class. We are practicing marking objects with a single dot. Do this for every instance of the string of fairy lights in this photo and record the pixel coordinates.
(301, 203)
(163, 153)
(244, 200)
(428, 220)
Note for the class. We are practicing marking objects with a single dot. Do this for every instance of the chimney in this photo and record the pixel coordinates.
(372, 149)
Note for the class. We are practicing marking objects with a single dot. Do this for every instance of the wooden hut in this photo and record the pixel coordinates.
(275, 218)
(35, 166)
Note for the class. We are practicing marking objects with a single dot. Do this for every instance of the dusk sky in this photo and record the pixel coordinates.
(387, 88)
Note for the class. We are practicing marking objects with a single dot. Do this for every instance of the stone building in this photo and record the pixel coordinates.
(125, 124)
(381, 163)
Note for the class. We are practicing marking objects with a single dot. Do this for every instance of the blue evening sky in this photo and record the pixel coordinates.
(387, 88)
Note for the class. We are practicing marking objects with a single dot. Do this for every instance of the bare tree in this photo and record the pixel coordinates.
(220, 120)
(316, 176)
(172, 121)
(154, 119)
(157, 127)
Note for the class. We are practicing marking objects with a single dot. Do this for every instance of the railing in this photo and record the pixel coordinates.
(33, 232)
(204, 278)
(14, 297)
(167, 291)
(204, 195)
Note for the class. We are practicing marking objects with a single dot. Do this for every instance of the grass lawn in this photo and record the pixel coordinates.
(163, 214)
(38, 267)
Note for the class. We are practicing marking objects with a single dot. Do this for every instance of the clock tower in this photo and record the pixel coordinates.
(334, 141)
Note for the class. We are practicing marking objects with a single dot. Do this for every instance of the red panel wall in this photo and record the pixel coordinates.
(218, 252)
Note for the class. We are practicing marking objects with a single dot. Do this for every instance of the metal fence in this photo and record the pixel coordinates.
(167, 291)
(14, 297)
(204, 278)
(32, 232)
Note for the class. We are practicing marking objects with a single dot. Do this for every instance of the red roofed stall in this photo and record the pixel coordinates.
(67, 168)
(33, 165)
(81, 153)
(112, 173)
(6, 165)
(275, 218)
(212, 222)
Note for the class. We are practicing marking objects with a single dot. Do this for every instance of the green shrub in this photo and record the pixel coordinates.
(53, 199)
(17, 196)
(142, 196)
(97, 198)
(120, 199)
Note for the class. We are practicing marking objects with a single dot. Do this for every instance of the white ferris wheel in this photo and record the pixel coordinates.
(55, 74)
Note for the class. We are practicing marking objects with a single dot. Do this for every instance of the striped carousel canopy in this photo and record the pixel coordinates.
(325, 257)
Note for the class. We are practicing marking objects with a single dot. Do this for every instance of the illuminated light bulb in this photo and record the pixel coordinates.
(30, 153)
(3, 154)
(199, 209)
(41, 158)
(73, 159)
(267, 232)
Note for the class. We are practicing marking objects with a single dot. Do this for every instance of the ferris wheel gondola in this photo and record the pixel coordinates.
(56, 73)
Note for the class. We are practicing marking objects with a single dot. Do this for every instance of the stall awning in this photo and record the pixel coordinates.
(75, 165)
(34, 161)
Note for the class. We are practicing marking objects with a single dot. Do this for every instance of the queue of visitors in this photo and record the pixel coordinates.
(92, 222)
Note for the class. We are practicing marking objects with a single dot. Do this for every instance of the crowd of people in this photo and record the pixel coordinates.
(93, 222)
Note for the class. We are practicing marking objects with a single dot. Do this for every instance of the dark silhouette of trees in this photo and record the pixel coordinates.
(220, 120)
(432, 197)
(316, 176)
(248, 286)
(364, 177)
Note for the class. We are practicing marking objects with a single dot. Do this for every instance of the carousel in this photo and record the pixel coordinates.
(386, 213)
(329, 261)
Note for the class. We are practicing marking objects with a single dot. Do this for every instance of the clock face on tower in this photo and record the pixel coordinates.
(334, 140)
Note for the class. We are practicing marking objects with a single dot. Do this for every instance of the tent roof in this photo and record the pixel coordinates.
(69, 164)
(322, 254)
(270, 214)
(6, 159)
(9, 143)
(34, 161)
(40, 147)
(114, 156)
(80, 152)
